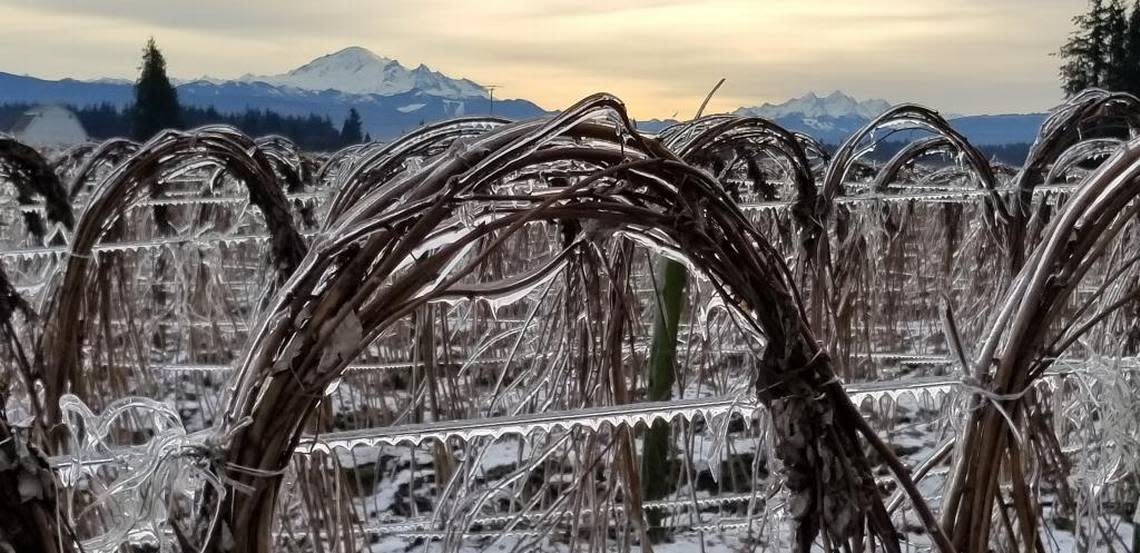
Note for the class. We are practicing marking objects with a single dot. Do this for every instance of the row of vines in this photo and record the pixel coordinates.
(564, 334)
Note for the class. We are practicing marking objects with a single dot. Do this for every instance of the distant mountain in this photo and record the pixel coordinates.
(359, 71)
(391, 99)
(385, 116)
(830, 118)
(833, 118)
(653, 126)
(21, 88)
(993, 130)
(836, 105)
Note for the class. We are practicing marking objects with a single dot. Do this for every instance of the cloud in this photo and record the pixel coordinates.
(661, 56)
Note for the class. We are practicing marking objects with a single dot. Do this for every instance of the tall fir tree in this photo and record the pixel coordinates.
(1083, 53)
(1104, 49)
(1132, 46)
(1115, 46)
(156, 102)
(350, 133)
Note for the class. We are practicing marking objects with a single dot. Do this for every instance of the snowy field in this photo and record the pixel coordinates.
(461, 340)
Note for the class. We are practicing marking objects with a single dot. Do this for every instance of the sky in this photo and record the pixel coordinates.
(660, 56)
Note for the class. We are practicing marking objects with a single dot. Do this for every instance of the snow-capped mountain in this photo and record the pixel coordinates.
(111, 80)
(393, 100)
(203, 79)
(385, 116)
(830, 118)
(834, 105)
(357, 70)
(390, 98)
(833, 118)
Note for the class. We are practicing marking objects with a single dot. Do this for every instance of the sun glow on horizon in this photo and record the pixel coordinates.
(660, 56)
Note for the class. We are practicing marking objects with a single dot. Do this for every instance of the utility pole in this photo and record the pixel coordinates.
(490, 88)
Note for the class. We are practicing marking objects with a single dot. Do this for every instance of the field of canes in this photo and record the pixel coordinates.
(564, 334)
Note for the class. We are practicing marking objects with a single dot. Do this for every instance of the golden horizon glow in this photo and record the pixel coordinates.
(660, 56)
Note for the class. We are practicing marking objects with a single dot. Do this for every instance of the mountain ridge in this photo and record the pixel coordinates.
(384, 117)
(393, 99)
(358, 70)
(836, 104)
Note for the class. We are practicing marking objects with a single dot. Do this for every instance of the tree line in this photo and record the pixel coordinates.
(156, 108)
(102, 121)
(1013, 153)
(1104, 49)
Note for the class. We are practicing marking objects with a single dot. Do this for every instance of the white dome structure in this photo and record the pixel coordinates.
(49, 126)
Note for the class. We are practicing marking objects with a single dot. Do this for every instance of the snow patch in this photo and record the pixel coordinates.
(410, 108)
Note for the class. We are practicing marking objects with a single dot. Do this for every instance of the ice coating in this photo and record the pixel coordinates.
(171, 466)
(509, 398)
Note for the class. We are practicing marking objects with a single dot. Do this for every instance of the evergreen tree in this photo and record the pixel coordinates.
(1083, 53)
(156, 101)
(1132, 50)
(1116, 47)
(350, 133)
(1104, 50)
(367, 137)
(1097, 43)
